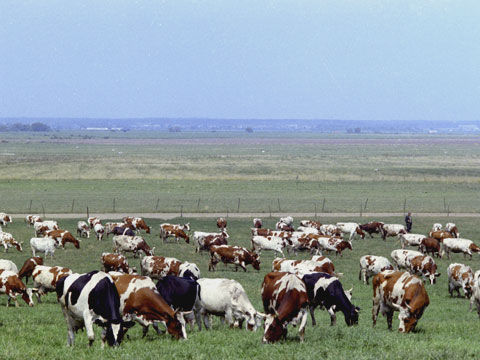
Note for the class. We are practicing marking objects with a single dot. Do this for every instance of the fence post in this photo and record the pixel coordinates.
(181, 211)
(404, 205)
(198, 204)
(73, 204)
(88, 214)
(279, 209)
(366, 202)
(323, 206)
(156, 206)
(30, 208)
(315, 209)
(113, 204)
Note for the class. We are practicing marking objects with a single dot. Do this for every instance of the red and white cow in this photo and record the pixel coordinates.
(174, 230)
(41, 227)
(372, 227)
(424, 266)
(5, 219)
(257, 223)
(159, 266)
(237, 255)
(116, 262)
(285, 301)
(430, 245)
(92, 220)
(32, 219)
(7, 241)
(330, 230)
(28, 267)
(411, 239)
(63, 237)
(99, 231)
(457, 245)
(135, 244)
(12, 286)
(222, 223)
(399, 291)
(8, 265)
(440, 235)
(274, 243)
(392, 230)
(371, 265)
(460, 276)
(137, 222)
(310, 224)
(400, 257)
(45, 278)
(82, 229)
(333, 244)
(203, 241)
(302, 267)
(452, 229)
(351, 229)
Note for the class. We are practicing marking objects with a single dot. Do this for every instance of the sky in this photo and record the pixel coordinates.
(319, 59)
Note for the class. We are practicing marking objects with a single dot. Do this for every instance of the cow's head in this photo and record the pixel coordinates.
(187, 239)
(352, 317)
(114, 333)
(27, 296)
(468, 287)
(360, 232)
(176, 326)
(274, 329)
(18, 245)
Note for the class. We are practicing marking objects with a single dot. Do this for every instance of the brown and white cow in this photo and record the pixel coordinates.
(281, 226)
(274, 243)
(159, 266)
(460, 276)
(41, 227)
(430, 245)
(311, 224)
(28, 267)
(63, 237)
(330, 230)
(390, 230)
(222, 223)
(371, 265)
(99, 231)
(333, 244)
(5, 219)
(411, 239)
(455, 245)
(140, 302)
(45, 278)
(92, 220)
(203, 240)
(12, 286)
(302, 267)
(7, 241)
(137, 222)
(174, 230)
(372, 227)
(439, 235)
(306, 241)
(82, 229)
(351, 229)
(109, 226)
(32, 219)
(399, 291)
(257, 223)
(452, 229)
(400, 256)
(135, 244)
(424, 266)
(237, 255)
(115, 262)
(285, 301)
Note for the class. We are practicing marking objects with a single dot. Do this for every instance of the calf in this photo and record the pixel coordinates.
(44, 245)
(460, 276)
(83, 229)
(99, 231)
(430, 245)
(373, 227)
(135, 244)
(226, 298)
(28, 267)
(371, 265)
(12, 286)
(115, 262)
(222, 223)
(63, 237)
(237, 255)
(392, 230)
(422, 265)
(274, 243)
(8, 265)
(45, 278)
(400, 257)
(176, 231)
(411, 239)
(399, 291)
(257, 223)
(7, 241)
(326, 291)
(455, 245)
(87, 299)
(5, 219)
(285, 301)
(351, 228)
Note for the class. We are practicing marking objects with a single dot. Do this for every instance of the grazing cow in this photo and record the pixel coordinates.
(158, 266)
(460, 276)
(12, 286)
(45, 278)
(63, 237)
(237, 255)
(452, 229)
(99, 231)
(110, 226)
(392, 230)
(330, 230)
(326, 291)
(203, 241)
(137, 222)
(400, 257)
(116, 262)
(274, 243)
(87, 299)
(82, 229)
(92, 221)
(5, 219)
(310, 224)
(32, 219)
(226, 298)
(430, 245)
(281, 226)
(28, 267)
(44, 245)
(307, 242)
(422, 265)
(125, 243)
(475, 298)
(43, 226)
(302, 267)
(285, 301)
(7, 241)
(309, 230)
(176, 231)
(437, 227)
(257, 223)
(8, 265)
(351, 228)
(268, 232)
(411, 239)
(373, 227)
(440, 235)
(399, 291)
(122, 231)
(455, 245)
(371, 265)
(141, 302)
(333, 244)
(222, 223)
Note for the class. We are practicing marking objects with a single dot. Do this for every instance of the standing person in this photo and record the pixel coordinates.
(408, 221)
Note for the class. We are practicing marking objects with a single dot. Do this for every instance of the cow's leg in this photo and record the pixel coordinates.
(87, 319)
(312, 314)
(206, 321)
(70, 328)
(303, 323)
(450, 289)
(242, 265)
(375, 309)
(33, 251)
(389, 315)
(198, 318)
(333, 317)
(229, 316)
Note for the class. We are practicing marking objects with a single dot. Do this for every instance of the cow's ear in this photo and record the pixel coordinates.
(438, 274)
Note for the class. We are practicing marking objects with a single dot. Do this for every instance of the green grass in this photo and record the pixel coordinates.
(446, 331)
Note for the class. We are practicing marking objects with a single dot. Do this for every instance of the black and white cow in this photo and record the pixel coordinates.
(326, 291)
(87, 299)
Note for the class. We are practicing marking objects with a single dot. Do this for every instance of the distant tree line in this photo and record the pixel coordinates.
(36, 126)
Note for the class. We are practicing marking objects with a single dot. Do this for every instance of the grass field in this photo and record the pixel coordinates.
(446, 331)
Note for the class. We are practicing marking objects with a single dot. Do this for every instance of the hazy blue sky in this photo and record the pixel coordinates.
(357, 59)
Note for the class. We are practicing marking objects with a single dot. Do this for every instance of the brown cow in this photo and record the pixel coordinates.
(222, 223)
(169, 230)
(205, 243)
(373, 227)
(28, 267)
(257, 223)
(45, 278)
(63, 237)
(311, 224)
(439, 235)
(137, 222)
(237, 255)
(12, 286)
(302, 267)
(431, 245)
(158, 266)
(116, 262)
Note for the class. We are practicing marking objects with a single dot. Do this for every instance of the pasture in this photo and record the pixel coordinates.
(446, 330)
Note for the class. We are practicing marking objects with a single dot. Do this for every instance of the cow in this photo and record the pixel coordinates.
(399, 291)
(8, 265)
(44, 245)
(422, 265)
(400, 257)
(109, 226)
(158, 266)
(392, 230)
(310, 224)
(371, 265)
(5, 219)
(226, 298)
(350, 228)
(63, 237)
(475, 297)
(122, 231)
(87, 299)
(222, 223)
(334, 244)
(307, 242)
(268, 232)
(430, 245)
(302, 267)
(274, 243)
(237, 255)
(439, 235)
(176, 231)
(330, 230)
(286, 220)
(7, 241)
(82, 229)
(45, 278)
(115, 262)
(285, 301)
(203, 241)
(436, 227)
(28, 267)
(99, 231)
(372, 227)
(257, 223)
(125, 243)
(326, 291)
(92, 221)
(140, 302)
(137, 222)
(12, 286)
(32, 219)
(460, 276)
(309, 230)
(43, 226)
(457, 245)
(281, 226)
(452, 229)
(411, 239)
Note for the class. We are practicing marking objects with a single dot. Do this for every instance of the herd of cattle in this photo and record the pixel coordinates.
(118, 297)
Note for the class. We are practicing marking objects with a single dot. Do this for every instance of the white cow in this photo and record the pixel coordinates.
(135, 244)
(460, 276)
(393, 230)
(351, 229)
(7, 241)
(8, 265)
(452, 229)
(274, 243)
(437, 227)
(99, 231)
(45, 245)
(371, 265)
(45, 278)
(411, 239)
(41, 226)
(458, 245)
(475, 298)
(329, 230)
(83, 229)
(400, 256)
